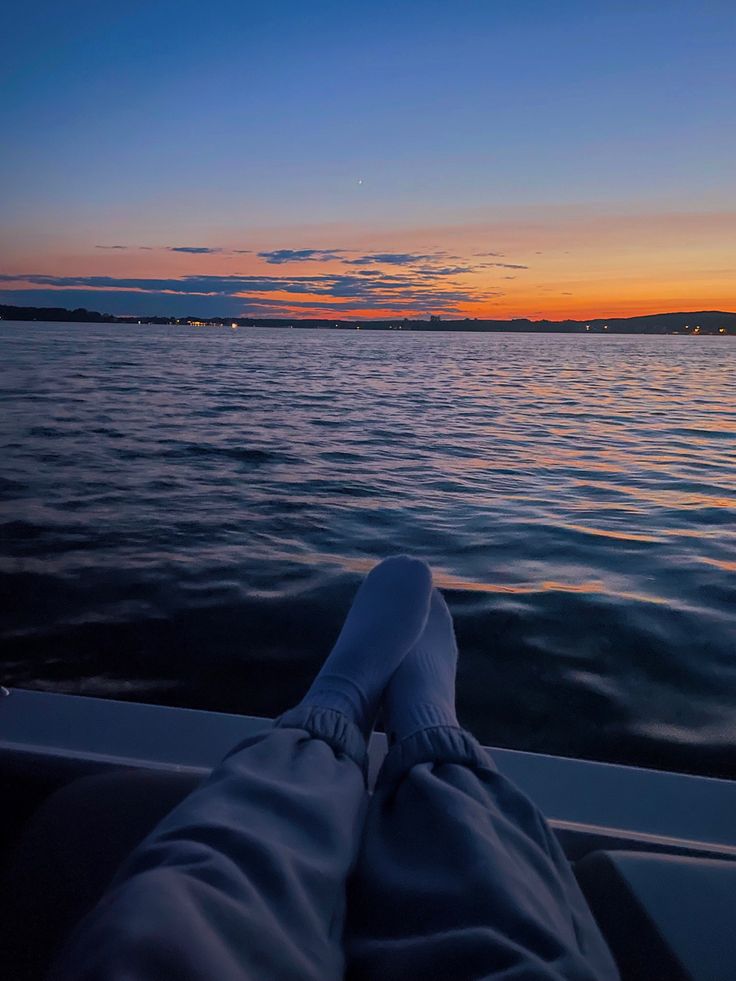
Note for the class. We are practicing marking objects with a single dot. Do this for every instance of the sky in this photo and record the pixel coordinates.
(386, 159)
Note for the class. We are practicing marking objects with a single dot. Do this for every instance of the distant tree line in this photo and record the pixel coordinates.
(78, 316)
(694, 323)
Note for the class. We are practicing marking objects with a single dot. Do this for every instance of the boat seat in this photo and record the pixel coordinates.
(665, 917)
(68, 853)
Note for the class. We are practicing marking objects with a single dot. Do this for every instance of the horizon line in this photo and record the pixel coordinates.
(426, 318)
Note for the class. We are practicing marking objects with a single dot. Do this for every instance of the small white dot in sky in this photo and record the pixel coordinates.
(360, 180)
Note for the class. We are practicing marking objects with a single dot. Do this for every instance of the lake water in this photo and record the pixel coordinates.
(186, 512)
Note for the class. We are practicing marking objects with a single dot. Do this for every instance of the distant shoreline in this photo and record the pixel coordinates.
(703, 322)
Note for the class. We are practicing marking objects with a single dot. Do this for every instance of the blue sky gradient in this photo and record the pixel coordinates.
(292, 126)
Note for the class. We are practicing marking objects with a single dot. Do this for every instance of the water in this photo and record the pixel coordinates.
(186, 512)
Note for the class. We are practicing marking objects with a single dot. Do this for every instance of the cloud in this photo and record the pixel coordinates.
(395, 258)
(136, 303)
(495, 255)
(278, 256)
(205, 285)
(194, 249)
(443, 270)
(362, 289)
(503, 265)
(421, 261)
(191, 249)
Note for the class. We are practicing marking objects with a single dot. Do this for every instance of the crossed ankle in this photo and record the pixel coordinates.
(343, 696)
(419, 715)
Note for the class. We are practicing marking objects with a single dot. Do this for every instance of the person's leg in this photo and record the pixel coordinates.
(246, 878)
(459, 875)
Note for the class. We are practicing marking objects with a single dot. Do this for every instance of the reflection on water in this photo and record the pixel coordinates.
(185, 514)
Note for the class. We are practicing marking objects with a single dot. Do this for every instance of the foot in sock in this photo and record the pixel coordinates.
(386, 619)
(421, 692)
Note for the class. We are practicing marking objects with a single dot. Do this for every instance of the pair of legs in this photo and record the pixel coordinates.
(281, 866)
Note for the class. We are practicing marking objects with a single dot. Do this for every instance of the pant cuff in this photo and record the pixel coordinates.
(332, 727)
(435, 744)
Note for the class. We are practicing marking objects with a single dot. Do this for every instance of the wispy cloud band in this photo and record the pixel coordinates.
(372, 291)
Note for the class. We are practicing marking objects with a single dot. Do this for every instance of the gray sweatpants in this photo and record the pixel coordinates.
(280, 866)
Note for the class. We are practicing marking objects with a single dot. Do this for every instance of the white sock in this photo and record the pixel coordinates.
(421, 692)
(386, 619)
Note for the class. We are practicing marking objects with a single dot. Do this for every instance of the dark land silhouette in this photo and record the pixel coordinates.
(693, 322)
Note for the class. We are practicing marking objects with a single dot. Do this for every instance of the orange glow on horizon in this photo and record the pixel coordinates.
(549, 263)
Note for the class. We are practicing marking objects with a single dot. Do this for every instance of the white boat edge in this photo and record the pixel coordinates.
(592, 806)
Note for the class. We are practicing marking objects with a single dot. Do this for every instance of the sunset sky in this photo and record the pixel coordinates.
(532, 159)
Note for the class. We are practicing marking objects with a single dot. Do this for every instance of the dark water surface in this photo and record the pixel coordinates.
(185, 514)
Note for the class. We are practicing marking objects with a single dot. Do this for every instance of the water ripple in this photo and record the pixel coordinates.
(184, 515)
